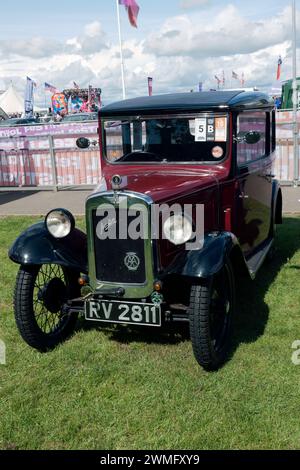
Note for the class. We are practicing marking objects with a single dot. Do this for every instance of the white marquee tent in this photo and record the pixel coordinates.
(11, 102)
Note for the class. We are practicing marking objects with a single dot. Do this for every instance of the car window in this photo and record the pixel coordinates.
(197, 139)
(247, 122)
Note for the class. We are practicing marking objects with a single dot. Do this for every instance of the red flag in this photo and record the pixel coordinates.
(279, 68)
(133, 11)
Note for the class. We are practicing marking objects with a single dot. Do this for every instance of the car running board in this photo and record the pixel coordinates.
(255, 262)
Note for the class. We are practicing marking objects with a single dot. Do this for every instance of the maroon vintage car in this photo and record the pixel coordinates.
(187, 197)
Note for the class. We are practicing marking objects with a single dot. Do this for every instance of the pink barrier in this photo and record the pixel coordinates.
(82, 168)
(24, 168)
(284, 164)
(283, 117)
(46, 155)
(81, 128)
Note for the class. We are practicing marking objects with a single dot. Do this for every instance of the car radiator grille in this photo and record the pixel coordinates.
(118, 260)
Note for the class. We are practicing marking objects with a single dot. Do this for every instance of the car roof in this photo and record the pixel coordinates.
(8, 122)
(79, 115)
(189, 102)
(21, 119)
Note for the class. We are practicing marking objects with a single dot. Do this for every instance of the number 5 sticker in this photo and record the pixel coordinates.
(201, 130)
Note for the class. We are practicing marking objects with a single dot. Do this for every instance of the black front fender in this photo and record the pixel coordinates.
(206, 262)
(36, 246)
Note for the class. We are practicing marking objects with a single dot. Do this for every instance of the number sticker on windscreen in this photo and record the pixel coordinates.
(211, 129)
(201, 130)
(221, 129)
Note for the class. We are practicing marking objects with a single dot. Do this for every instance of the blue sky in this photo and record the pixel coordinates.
(62, 18)
(178, 44)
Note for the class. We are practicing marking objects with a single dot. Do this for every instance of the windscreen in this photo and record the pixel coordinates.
(198, 139)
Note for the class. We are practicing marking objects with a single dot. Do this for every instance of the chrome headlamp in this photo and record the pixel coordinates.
(59, 223)
(178, 229)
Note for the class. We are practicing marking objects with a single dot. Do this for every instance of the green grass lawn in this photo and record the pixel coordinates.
(115, 388)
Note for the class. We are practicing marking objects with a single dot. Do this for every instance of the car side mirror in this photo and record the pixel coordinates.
(83, 143)
(252, 137)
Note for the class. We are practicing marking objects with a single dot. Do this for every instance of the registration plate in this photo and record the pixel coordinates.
(111, 311)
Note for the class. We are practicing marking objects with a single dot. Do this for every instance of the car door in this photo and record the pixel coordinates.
(254, 183)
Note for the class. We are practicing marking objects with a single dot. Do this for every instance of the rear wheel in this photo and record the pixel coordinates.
(40, 295)
(212, 305)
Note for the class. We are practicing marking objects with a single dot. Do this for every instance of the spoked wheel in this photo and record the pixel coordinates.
(41, 293)
(212, 305)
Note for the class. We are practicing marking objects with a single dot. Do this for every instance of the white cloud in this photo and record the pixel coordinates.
(187, 49)
(93, 29)
(229, 33)
(36, 47)
(92, 41)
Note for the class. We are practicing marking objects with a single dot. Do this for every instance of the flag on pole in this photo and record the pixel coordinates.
(200, 87)
(50, 88)
(132, 9)
(219, 81)
(150, 86)
(235, 75)
(76, 86)
(223, 79)
(243, 79)
(29, 99)
(279, 68)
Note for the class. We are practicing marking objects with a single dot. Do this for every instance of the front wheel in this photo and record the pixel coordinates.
(212, 304)
(40, 295)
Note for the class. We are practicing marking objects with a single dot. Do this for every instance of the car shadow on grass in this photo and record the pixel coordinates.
(252, 311)
(174, 333)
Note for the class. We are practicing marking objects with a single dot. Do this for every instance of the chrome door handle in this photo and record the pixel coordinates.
(243, 196)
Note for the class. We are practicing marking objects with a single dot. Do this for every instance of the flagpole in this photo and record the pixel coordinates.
(295, 98)
(121, 51)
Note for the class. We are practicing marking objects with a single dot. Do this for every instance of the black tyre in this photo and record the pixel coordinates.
(40, 295)
(212, 305)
